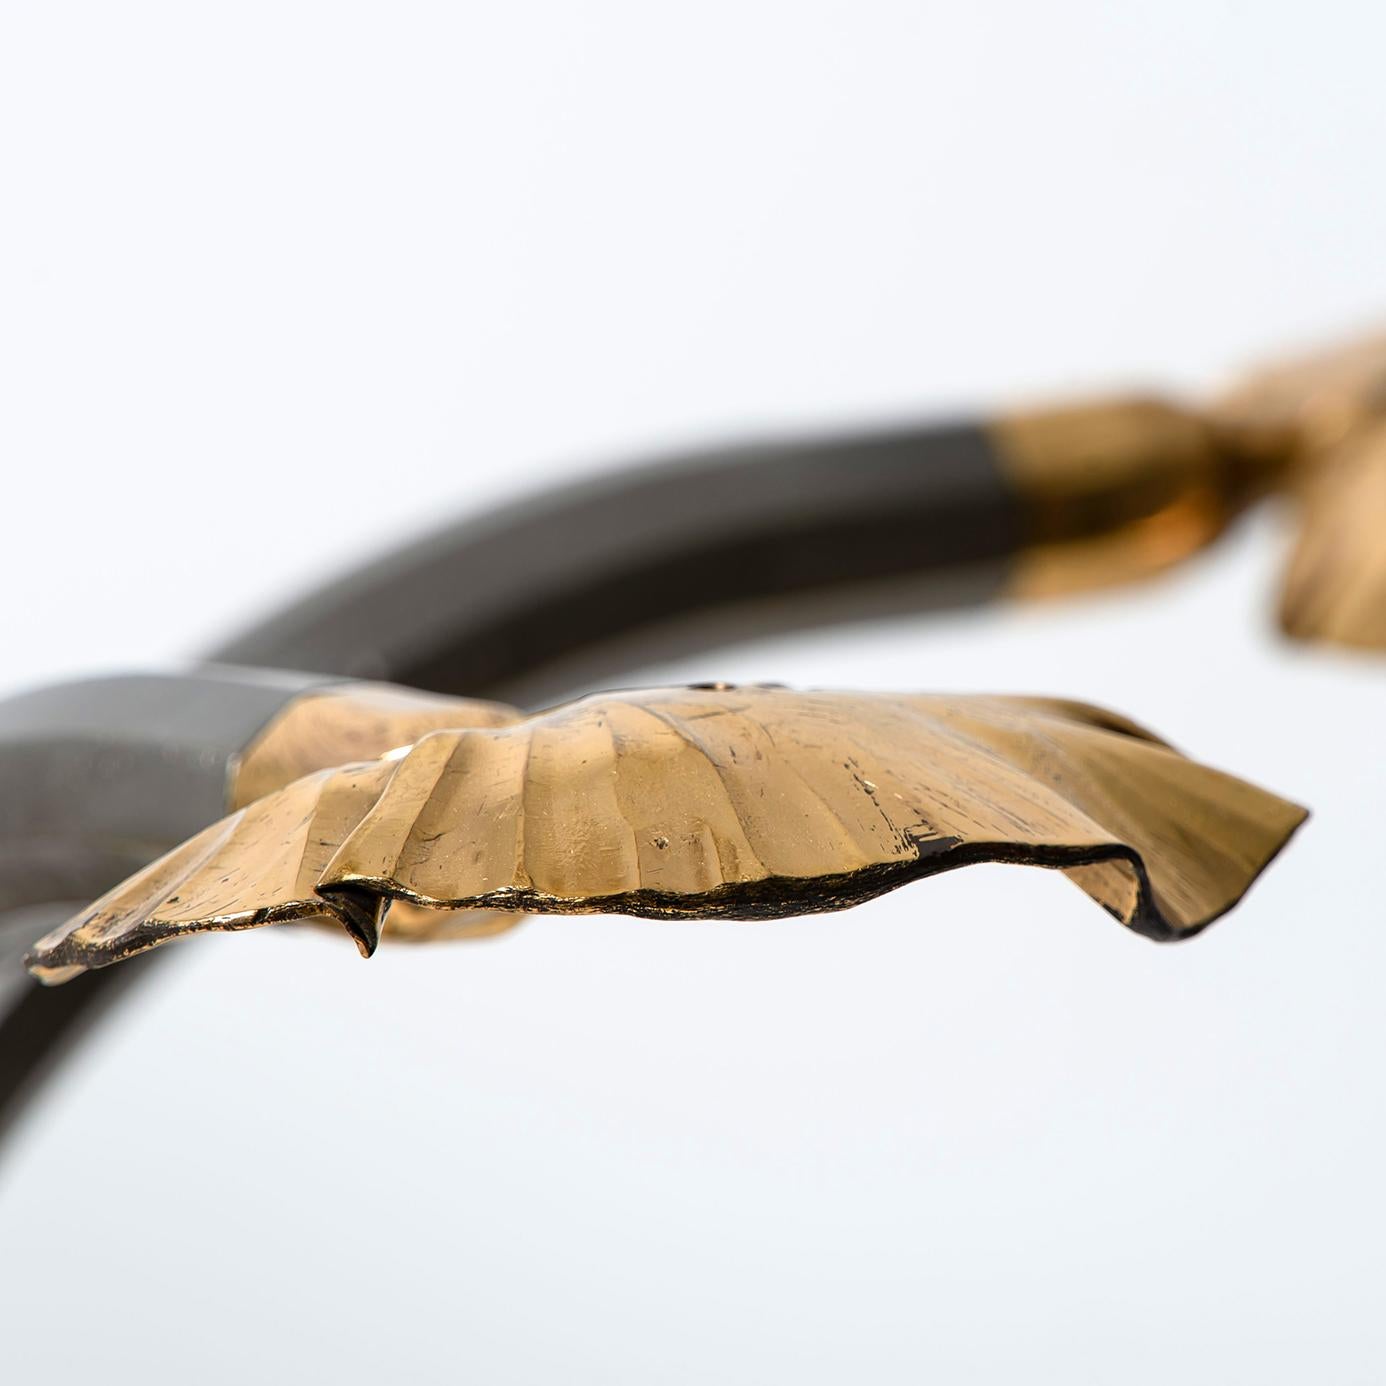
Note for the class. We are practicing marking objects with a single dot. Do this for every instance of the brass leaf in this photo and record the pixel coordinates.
(713, 802)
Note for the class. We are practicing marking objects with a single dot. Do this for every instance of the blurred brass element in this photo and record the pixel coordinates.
(713, 802)
(1114, 491)
(1138, 550)
(1336, 585)
(1088, 466)
(1309, 404)
(361, 721)
(1327, 414)
(1121, 490)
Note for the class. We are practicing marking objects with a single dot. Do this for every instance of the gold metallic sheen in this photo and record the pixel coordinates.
(346, 722)
(713, 802)
(259, 866)
(350, 722)
(1328, 413)
(1309, 404)
(1335, 588)
(1113, 492)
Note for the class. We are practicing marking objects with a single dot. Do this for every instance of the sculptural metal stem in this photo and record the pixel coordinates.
(596, 577)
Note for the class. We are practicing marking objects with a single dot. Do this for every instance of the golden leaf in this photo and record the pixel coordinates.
(713, 802)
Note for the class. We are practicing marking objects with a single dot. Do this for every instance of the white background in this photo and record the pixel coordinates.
(281, 284)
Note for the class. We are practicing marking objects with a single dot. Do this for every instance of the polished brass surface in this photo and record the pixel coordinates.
(713, 802)
(1084, 466)
(259, 866)
(1335, 588)
(346, 722)
(358, 721)
(1113, 491)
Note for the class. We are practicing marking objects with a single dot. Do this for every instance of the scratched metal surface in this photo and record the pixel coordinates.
(722, 802)
(384, 272)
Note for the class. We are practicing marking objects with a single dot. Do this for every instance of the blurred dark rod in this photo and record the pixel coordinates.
(536, 597)
(586, 581)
